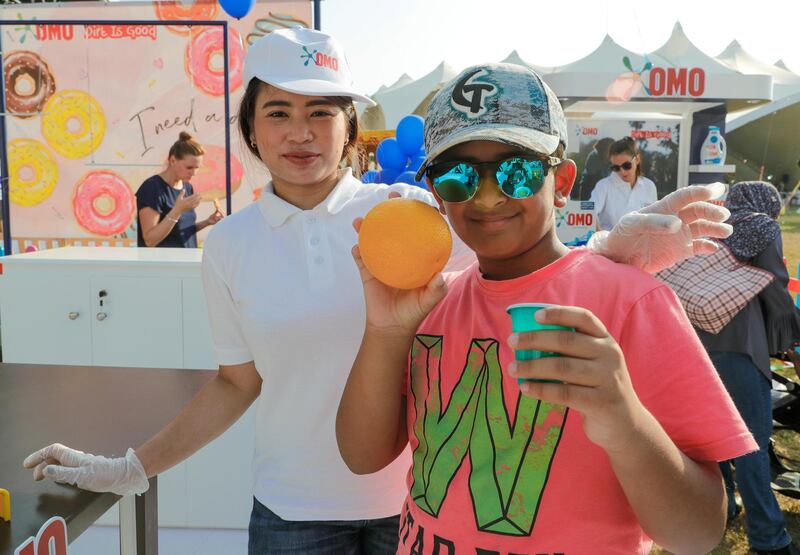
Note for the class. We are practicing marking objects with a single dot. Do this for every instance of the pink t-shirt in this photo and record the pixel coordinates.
(497, 472)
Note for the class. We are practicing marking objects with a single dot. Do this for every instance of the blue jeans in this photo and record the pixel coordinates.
(750, 391)
(269, 534)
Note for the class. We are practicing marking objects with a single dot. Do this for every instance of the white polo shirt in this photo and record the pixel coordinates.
(283, 291)
(613, 198)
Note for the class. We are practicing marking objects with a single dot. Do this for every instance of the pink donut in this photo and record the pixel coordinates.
(203, 67)
(209, 181)
(103, 203)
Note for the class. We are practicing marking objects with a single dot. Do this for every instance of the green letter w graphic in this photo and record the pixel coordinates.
(510, 462)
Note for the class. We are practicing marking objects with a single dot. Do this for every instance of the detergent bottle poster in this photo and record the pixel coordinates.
(92, 110)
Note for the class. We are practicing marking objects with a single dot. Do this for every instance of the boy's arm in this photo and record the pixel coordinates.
(679, 502)
(370, 423)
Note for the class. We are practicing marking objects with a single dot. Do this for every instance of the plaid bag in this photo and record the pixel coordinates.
(713, 288)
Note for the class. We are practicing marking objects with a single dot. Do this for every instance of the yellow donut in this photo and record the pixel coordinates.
(73, 123)
(33, 172)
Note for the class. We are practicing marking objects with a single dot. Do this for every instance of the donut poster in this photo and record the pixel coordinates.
(92, 110)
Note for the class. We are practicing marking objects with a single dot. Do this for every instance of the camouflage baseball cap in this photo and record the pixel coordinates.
(506, 103)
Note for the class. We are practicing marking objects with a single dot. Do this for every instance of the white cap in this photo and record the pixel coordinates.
(301, 61)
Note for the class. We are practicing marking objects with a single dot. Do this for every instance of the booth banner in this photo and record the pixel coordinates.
(92, 110)
(575, 223)
(657, 139)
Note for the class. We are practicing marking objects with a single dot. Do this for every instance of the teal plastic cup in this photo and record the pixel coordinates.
(522, 319)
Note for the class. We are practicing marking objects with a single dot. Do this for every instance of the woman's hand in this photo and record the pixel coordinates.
(214, 218)
(590, 375)
(122, 475)
(184, 203)
(670, 230)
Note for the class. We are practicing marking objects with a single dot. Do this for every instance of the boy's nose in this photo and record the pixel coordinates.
(488, 194)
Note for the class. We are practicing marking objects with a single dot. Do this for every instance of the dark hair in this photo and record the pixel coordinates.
(185, 146)
(247, 112)
(626, 145)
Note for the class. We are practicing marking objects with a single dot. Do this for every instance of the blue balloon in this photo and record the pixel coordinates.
(387, 176)
(370, 176)
(390, 156)
(410, 178)
(416, 162)
(237, 8)
(410, 133)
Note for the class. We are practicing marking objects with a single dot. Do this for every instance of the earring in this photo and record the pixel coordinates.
(253, 144)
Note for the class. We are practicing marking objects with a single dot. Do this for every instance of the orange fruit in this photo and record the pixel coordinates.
(404, 242)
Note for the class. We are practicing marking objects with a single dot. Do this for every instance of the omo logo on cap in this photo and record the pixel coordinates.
(470, 93)
(319, 59)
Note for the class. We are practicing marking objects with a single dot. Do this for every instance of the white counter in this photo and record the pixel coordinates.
(130, 307)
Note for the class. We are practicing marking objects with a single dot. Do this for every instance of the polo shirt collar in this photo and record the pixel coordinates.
(276, 210)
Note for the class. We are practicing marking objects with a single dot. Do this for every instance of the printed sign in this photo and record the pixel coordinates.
(575, 223)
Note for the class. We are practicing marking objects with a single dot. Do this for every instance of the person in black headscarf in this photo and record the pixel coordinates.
(768, 324)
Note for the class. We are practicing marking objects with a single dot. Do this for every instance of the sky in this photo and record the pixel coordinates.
(385, 38)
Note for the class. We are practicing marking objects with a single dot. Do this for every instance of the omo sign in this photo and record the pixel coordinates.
(50, 540)
(676, 81)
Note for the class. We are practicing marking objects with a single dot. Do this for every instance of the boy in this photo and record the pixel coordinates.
(620, 448)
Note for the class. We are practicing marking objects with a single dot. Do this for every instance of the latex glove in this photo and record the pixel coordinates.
(672, 229)
(122, 475)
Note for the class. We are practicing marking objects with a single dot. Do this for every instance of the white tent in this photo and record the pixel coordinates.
(765, 136)
(675, 81)
(676, 72)
(405, 97)
(737, 58)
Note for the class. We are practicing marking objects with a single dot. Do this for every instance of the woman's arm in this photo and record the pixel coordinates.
(153, 230)
(212, 411)
(371, 421)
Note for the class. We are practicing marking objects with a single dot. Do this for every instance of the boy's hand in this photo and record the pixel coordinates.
(396, 311)
(670, 230)
(592, 375)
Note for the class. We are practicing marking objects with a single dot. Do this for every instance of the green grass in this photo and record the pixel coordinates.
(787, 442)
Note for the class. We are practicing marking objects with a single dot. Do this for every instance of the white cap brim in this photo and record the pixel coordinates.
(312, 87)
(522, 137)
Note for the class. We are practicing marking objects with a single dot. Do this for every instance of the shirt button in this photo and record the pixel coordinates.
(314, 241)
(319, 260)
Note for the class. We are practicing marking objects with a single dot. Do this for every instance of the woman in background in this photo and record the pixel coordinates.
(165, 202)
(626, 189)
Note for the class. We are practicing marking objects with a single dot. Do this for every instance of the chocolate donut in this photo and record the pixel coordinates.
(29, 83)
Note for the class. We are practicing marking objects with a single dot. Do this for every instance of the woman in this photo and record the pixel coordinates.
(287, 317)
(768, 324)
(626, 189)
(165, 203)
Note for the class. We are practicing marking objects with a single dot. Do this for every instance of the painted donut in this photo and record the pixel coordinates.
(184, 11)
(29, 83)
(103, 203)
(73, 123)
(33, 172)
(273, 22)
(209, 181)
(204, 65)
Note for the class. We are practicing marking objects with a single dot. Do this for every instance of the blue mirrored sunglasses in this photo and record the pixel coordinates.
(517, 177)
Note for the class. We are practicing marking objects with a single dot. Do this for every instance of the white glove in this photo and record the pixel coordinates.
(660, 235)
(122, 475)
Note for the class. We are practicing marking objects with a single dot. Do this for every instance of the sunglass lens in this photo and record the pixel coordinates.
(520, 177)
(624, 166)
(456, 183)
